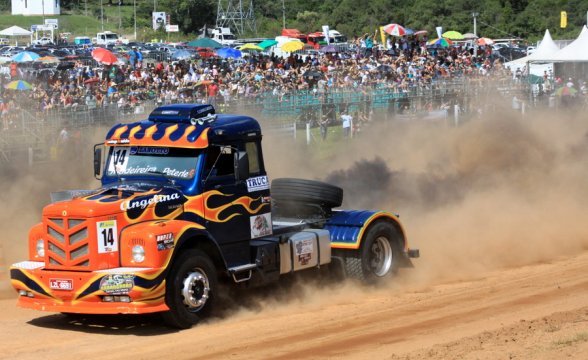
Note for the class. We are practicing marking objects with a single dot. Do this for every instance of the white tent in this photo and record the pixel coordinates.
(546, 49)
(15, 31)
(576, 51)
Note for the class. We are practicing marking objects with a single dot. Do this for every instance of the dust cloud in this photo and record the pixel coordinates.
(497, 191)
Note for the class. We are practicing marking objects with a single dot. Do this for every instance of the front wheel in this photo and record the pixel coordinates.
(191, 289)
(379, 254)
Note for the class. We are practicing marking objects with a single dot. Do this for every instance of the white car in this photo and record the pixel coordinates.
(43, 41)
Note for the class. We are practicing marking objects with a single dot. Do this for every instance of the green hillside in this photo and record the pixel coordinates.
(496, 18)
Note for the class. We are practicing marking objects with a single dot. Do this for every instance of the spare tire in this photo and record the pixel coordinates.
(287, 190)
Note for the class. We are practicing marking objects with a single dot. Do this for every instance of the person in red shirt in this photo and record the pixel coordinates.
(212, 93)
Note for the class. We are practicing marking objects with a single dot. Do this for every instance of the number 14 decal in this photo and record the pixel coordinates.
(107, 235)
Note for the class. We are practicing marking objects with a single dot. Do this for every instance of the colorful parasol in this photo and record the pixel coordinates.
(18, 85)
(104, 56)
(291, 46)
(394, 30)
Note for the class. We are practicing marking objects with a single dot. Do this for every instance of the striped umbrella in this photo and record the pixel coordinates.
(25, 56)
(443, 42)
(18, 85)
(394, 30)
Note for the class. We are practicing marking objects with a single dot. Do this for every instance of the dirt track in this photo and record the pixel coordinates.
(532, 312)
(497, 208)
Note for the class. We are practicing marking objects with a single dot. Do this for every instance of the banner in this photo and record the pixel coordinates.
(439, 31)
(383, 36)
(326, 33)
(564, 20)
(159, 20)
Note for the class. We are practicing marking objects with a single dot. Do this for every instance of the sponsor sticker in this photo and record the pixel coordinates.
(257, 183)
(117, 284)
(165, 241)
(261, 225)
(149, 150)
(61, 284)
(304, 251)
(107, 236)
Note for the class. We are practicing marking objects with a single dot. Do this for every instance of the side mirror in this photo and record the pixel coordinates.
(97, 160)
(241, 165)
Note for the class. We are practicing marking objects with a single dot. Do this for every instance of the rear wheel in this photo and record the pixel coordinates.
(379, 254)
(191, 289)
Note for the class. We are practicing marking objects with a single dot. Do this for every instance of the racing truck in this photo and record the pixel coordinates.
(185, 209)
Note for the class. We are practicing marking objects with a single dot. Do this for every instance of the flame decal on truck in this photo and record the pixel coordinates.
(160, 134)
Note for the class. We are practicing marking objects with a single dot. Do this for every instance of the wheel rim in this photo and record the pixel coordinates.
(195, 289)
(381, 256)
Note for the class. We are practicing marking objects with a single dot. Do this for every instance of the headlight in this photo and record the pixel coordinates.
(40, 248)
(138, 253)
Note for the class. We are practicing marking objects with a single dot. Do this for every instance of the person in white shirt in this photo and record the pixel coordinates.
(346, 121)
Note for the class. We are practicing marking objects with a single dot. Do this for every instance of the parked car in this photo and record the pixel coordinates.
(43, 41)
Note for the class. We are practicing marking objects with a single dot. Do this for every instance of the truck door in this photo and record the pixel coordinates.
(236, 209)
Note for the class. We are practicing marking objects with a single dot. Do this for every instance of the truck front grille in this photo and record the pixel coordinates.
(67, 244)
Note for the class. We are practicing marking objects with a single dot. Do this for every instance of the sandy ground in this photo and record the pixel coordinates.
(497, 207)
(531, 312)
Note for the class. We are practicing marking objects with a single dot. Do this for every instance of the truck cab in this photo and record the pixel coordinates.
(185, 204)
(223, 35)
(107, 38)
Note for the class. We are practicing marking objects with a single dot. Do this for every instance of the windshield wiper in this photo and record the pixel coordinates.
(164, 175)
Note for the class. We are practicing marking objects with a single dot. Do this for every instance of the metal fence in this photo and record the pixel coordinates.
(34, 135)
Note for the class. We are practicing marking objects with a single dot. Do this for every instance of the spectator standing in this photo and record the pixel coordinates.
(346, 121)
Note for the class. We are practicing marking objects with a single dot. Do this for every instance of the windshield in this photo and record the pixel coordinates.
(229, 37)
(131, 161)
(111, 36)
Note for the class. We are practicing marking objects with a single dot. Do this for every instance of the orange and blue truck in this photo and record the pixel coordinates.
(185, 207)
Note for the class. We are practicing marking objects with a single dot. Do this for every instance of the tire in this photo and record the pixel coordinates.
(378, 257)
(286, 190)
(191, 289)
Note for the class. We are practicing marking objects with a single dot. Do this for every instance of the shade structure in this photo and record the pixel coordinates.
(267, 43)
(104, 56)
(395, 30)
(469, 36)
(251, 47)
(205, 43)
(420, 32)
(453, 35)
(291, 46)
(440, 42)
(15, 31)
(229, 53)
(25, 56)
(20, 85)
(485, 41)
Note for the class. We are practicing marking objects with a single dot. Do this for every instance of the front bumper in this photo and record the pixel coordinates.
(112, 291)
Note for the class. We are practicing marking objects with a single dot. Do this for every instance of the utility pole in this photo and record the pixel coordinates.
(43, 5)
(102, 15)
(135, 13)
(283, 15)
(475, 15)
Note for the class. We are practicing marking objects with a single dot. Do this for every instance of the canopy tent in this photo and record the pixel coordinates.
(16, 31)
(576, 51)
(547, 48)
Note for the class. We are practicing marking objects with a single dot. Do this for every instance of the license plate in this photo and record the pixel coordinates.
(61, 284)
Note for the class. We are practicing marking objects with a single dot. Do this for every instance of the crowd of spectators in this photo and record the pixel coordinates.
(87, 84)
